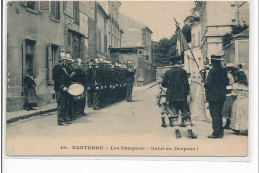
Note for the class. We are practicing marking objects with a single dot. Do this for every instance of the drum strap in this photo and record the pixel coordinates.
(64, 69)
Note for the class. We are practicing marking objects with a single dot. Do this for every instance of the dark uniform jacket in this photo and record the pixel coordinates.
(176, 82)
(80, 76)
(216, 83)
(89, 78)
(61, 77)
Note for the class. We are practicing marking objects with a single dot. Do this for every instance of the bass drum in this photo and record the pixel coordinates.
(77, 91)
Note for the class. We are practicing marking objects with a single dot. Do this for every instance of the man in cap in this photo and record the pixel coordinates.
(70, 67)
(97, 86)
(90, 82)
(176, 82)
(130, 81)
(215, 86)
(62, 80)
(80, 77)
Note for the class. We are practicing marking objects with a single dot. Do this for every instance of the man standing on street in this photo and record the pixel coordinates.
(62, 80)
(176, 82)
(129, 81)
(215, 86)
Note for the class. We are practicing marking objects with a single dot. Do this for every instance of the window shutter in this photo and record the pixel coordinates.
(23, 62)
(105, 44)
(50, 75)
(53, 8)
(44, 6)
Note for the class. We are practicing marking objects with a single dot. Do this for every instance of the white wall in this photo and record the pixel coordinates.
(196, 35)
(220, 13)
(190, 64)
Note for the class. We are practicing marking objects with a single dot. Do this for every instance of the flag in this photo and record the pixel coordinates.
(182, 44)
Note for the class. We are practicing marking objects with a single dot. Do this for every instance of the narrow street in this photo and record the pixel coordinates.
(121, 129)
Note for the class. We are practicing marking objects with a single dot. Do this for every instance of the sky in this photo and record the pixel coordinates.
(158, 16)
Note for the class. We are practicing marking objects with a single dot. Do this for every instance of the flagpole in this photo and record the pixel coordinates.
(194, 57)
(177, 24)
(198, 106)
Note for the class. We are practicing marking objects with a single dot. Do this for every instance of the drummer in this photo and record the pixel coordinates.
(80, 77)
(71, 104)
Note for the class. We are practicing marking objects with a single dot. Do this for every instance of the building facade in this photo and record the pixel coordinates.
(38, 30)
(194, 62)
(36, 45)
(242, 13)
(237, 52)
(145, 71)
(213, 28)
(136, 34)
(108, 32)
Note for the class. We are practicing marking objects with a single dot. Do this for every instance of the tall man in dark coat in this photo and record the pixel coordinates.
(215, 86)
(176, 82)
(62, 81)
(129, 82)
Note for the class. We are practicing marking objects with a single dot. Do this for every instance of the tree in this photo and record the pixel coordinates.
(237, 29)
(167, 47)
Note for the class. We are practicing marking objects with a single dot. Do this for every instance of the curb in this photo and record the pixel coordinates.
(29, 115)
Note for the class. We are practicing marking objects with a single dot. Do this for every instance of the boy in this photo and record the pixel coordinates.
(163, 105)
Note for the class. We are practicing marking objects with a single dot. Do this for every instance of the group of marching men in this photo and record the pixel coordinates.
(104, 83)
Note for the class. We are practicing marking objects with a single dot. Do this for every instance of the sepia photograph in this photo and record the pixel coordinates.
(127, 78)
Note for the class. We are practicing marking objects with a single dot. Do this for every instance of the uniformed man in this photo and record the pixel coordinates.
(101, 80)
(80, 77)
(130, 81)
(97, 85)
(62, 80)
(112, 85)
(70, 67)
(90, 83)
(215, 86)
(176, 82)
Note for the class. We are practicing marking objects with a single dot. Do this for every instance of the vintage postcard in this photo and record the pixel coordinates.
(127, 78)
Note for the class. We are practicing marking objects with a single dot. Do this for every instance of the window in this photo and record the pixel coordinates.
(99, 40)
(91, 5)
(53, 56)
(29, 54)
(105, 44)
(32, 5)
(76, 12)
(44, 6)
(109, 37)
(112, 37)
(68, 8)
(55, 9)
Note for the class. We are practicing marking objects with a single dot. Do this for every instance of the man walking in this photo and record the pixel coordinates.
(176, 82)
(215, 86)
(129, 81)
